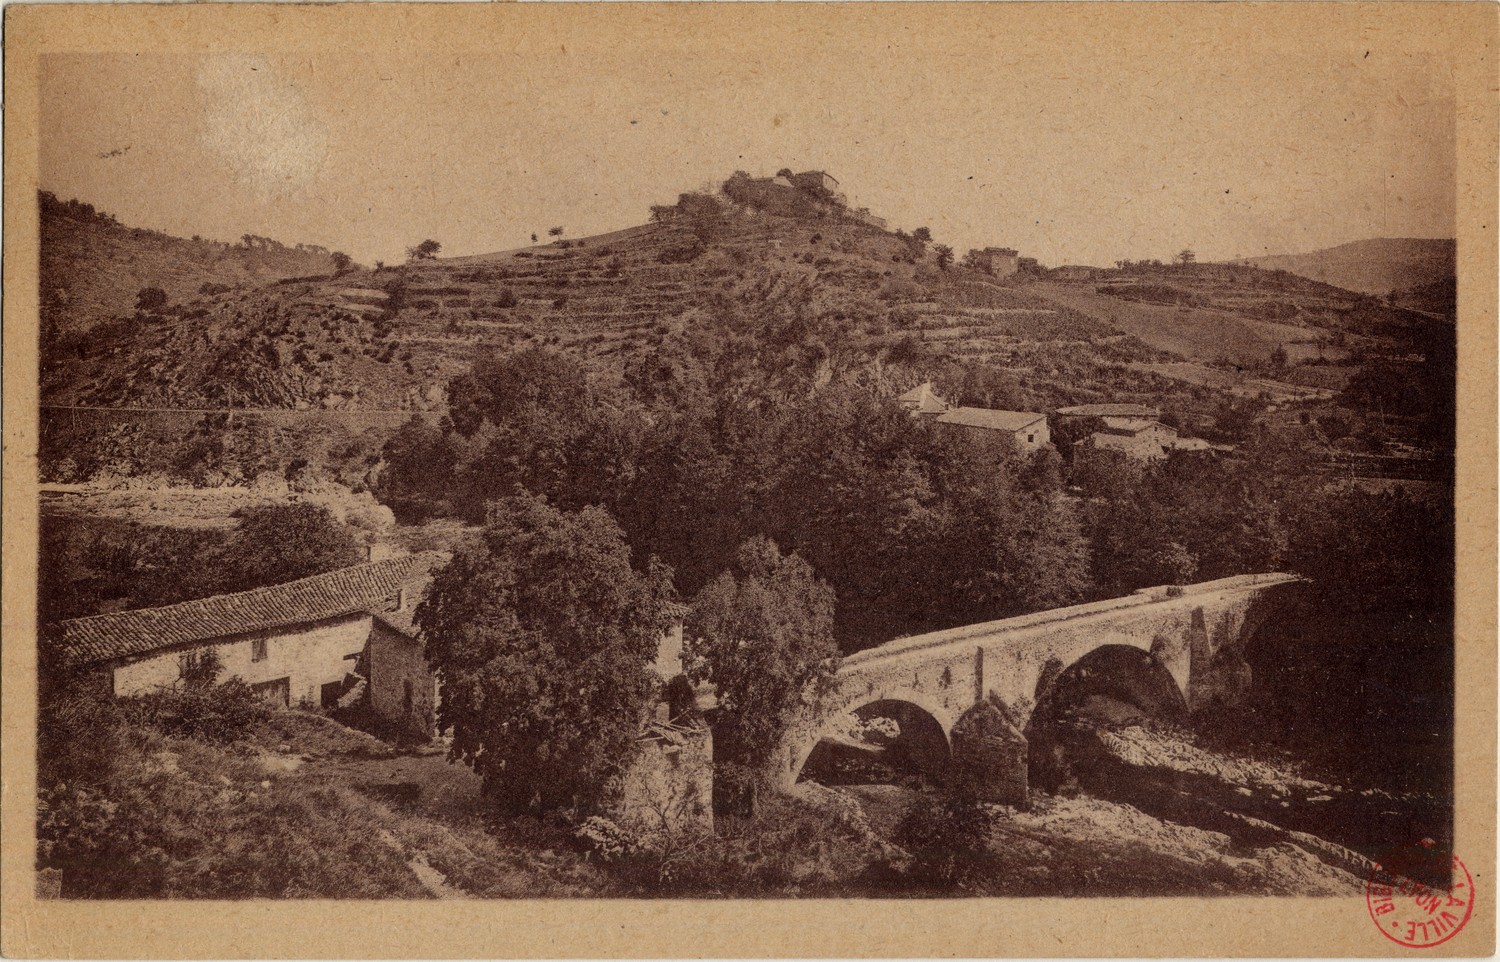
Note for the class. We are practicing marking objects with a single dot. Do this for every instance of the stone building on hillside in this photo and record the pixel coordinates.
(1023, 431)
(319, 641)
(820, 181)
(921, 401)
(1026, 431)
(998, 261)
(1133, 430)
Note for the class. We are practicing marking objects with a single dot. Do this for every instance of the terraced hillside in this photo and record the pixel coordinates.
(855, 296)
(390, 339)
(1241, 329)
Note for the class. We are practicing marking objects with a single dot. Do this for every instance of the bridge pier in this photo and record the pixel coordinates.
(990, 755)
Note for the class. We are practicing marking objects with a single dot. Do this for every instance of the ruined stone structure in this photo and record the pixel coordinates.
(980, 684)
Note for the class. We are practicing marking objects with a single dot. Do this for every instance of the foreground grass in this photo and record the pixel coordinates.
(303, 807)
(276, 816)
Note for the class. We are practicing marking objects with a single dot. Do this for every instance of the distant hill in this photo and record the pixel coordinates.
(849, 291)
(820, 289)
(1376, 266)
(92, 266)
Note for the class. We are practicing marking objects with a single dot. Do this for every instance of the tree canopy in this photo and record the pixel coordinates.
(283, 542)
(542, 636)
(762, 635)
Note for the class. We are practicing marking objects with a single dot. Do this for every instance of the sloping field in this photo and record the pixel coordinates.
(1240, 384)
(1192, 333)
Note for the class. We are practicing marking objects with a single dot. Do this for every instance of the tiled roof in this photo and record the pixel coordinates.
(1109, 410)
(1133, 445)
(921, 400)
(364, 587)
(1135, 425)
(1011, 421)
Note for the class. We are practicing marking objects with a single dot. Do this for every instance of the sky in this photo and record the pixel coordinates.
(1074, 145)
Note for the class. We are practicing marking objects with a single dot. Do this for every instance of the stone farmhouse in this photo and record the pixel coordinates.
(1026, 431)
(1135, 431)
(999, 261)
(326, 640)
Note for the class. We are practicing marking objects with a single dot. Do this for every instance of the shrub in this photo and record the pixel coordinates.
(204, 710)
(150, 299)
(948, 836)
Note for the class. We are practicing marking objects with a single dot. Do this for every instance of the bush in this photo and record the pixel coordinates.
(948, 836)
(204, 710)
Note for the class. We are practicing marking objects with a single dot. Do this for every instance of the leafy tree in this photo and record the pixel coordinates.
(150, 299)
(762, 635)
(944, 256)
(542, 637)
(341, 261)
(283, 542)
(554, 232)
(922, 234)
(424, 251)
(1066, 432)
(1186, 257)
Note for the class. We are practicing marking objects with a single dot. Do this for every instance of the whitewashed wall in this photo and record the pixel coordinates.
(310, 655)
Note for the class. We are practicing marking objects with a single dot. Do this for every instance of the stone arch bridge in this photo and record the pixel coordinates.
(1193, 635)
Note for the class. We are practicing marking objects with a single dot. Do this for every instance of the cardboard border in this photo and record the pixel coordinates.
(1464, 33)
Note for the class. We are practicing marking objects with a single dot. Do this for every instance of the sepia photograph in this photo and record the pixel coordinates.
(852, 453)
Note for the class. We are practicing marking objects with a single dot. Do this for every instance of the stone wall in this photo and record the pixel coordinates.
(309, 656)
(403, 691)
(670, 785)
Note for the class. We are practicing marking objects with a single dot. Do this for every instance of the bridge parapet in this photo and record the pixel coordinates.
(1140, 598)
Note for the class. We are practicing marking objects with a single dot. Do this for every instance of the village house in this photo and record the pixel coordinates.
(1027, 431)
(998, 261)
(920, 401)
(320, 641)
(1133, 430)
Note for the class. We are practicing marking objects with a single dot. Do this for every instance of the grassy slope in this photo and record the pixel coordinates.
(92, 268)
(306, 808)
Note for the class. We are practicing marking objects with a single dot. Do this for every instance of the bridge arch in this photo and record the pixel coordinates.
(1124, 674)
(1112, 684)
(924, 741)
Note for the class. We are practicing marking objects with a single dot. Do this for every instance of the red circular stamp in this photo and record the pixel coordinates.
(1419, 895)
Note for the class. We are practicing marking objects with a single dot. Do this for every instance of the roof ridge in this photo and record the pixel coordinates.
(280, 586)
(368, 586)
